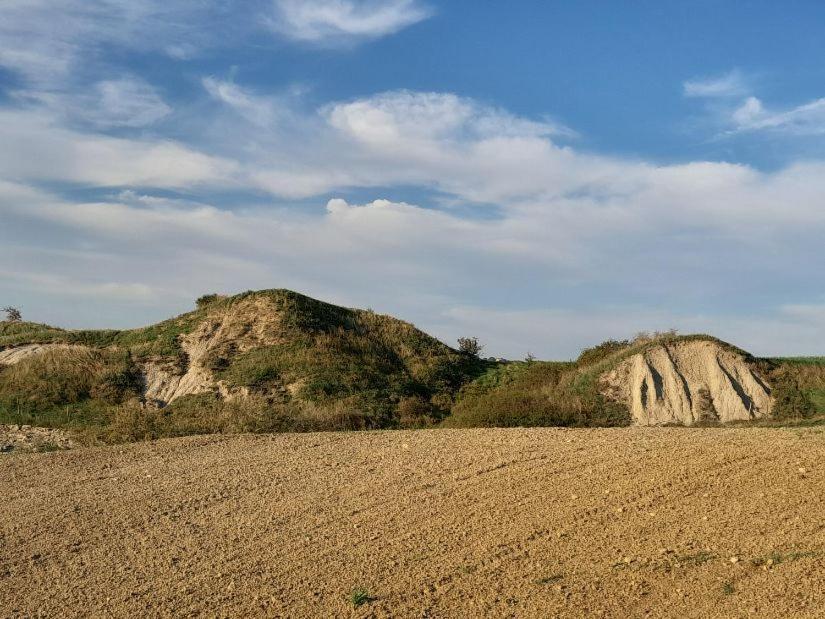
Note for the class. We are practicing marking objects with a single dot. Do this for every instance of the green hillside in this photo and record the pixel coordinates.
(569, 394)
(277, 360)
(298, 363)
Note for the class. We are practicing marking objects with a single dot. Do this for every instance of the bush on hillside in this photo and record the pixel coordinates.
(206, 300)
(470, 346)
(199, 414)
(791, 402)
(595, 354)
(534, 394)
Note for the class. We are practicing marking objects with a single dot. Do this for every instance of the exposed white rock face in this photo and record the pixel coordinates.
(685, 382)
(10, 356)
(244, 326)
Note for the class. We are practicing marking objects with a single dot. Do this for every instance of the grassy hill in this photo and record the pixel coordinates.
(570, 394)
(277, 360)
(269, 360)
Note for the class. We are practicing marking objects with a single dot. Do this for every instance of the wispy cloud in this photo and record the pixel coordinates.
(44, 40)
(38, 146)
(732, 84)
(735, 110)
(122, 102)
(406, 171)
(333, 22)
(258, 110)
(806, 119)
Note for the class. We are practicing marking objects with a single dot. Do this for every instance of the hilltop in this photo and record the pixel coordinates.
(258, 361)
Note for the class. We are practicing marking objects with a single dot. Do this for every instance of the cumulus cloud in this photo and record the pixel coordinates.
(408, 115)
(343, 21)
(401, 258)
(465, 216)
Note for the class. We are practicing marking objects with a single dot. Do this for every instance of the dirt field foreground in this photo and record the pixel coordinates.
(464, 523)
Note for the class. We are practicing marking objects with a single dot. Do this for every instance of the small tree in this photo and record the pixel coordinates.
(205, 300)
(530, 357)
(13, 314)
(470, 346)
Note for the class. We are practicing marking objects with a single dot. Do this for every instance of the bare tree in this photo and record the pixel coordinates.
(13, 314)
(470, 346)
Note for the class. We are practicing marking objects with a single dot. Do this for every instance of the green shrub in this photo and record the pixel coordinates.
(535, 394)
(791, 402)
(206, 300)
(595, 354)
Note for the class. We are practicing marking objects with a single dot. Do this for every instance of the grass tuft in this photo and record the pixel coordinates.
(359, 597)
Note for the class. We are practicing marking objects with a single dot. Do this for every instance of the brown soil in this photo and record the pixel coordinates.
(448, 523)
(27, 438)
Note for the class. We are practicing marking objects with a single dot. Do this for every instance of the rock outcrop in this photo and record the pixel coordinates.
(16, 354)
(686, 382)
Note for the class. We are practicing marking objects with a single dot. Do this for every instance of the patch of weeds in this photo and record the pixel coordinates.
(47, 447)
(727, 589)
(776, 557)
(696, 559)
(548, 579)
(359, 597)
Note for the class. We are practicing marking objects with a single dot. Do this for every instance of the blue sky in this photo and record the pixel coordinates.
(541, 174)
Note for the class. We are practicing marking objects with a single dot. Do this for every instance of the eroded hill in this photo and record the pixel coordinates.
(279, 361)
(661, 380)
(270, 360)
(690, 381)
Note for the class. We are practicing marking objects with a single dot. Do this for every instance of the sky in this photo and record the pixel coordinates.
(540, 174)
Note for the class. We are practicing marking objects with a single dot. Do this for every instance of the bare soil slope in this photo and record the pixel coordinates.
(685, 382)
(449, 523)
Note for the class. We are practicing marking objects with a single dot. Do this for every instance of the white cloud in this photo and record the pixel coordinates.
(731, 84)
(36, 146)
(54, 43)
(127, 102)
(44, 40)
(259, 110)
(737, 111)
(342, 21)
(807, 119)
(570, 235)
(123, 102)
(406, 115)
(74, 287)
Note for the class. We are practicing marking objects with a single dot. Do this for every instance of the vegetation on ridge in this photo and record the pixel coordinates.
(302, 364)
